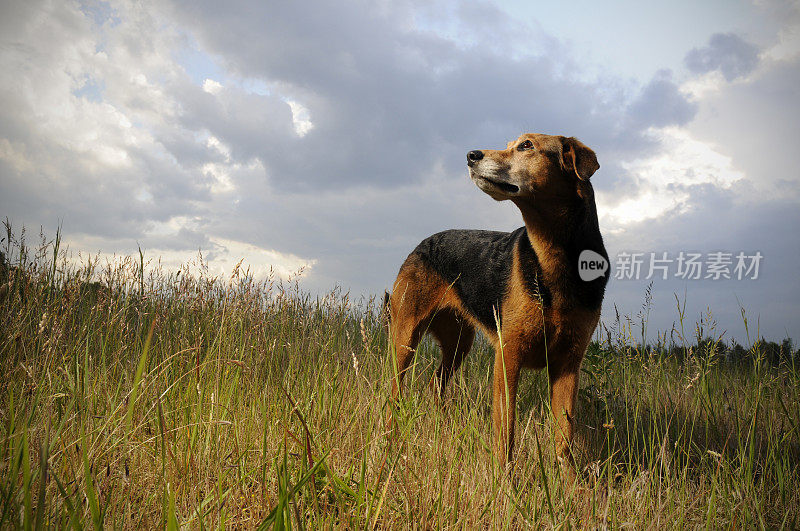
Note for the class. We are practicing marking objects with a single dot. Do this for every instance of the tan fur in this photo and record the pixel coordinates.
(421, 301)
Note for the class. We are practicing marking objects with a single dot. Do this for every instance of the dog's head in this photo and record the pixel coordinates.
(533, 167)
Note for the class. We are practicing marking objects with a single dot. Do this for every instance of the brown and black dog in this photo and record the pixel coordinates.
(522, 289)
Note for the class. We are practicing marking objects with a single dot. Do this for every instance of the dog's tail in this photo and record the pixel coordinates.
(386, 310)
(387, 305)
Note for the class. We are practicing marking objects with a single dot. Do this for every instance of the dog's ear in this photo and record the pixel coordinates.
(578, 157)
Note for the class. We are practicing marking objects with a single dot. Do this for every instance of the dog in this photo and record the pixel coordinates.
(522, 289)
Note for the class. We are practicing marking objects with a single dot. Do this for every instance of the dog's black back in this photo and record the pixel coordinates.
(478, 265)
(476, 262)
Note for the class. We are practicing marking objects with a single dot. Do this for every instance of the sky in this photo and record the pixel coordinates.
(330, 137)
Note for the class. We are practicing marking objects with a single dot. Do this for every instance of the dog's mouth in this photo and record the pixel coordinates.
(506, 187)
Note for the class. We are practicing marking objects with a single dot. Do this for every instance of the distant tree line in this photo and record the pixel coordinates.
(762, 350)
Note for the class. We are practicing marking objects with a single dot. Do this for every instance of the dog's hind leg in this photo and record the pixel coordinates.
(419, 294)
(410, 306)
(406, 334)
(455, 336)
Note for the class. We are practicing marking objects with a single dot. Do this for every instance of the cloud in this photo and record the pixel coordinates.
(335, 136)
(665, 178)
(712, 220)
(104, 123)
(661, 103)
(753, 122)
(389, 101)
(94, 163)
(216, 257)
(726, 52)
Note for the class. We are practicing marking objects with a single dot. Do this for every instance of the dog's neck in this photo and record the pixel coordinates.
(555, 233)
(548, 233)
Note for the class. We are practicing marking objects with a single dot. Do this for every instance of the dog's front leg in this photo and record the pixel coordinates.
(563, 396)
(504, 402)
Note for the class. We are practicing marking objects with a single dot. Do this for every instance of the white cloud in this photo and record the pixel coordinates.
(14, 154)
(703, 85)
(262, 261)
(220, 255)
(211, 86)
(788, 45)
(301, 118)
(665, 177)
(214, 142)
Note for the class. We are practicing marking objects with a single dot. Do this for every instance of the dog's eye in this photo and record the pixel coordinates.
(525, 145)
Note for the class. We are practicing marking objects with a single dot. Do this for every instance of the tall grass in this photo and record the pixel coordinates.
(137, 397)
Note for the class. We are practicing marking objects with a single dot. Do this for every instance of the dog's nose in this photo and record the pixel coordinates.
(474, 156)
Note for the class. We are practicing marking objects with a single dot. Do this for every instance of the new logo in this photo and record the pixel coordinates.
(591, 265)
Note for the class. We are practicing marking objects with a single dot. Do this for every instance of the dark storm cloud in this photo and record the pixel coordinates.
(388, 101)
(726, 52)
(720, 220)
(661, 104)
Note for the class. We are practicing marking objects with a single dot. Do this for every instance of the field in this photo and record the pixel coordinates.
(134, 397)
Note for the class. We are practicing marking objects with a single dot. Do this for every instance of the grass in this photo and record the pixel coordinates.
(158, 399)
